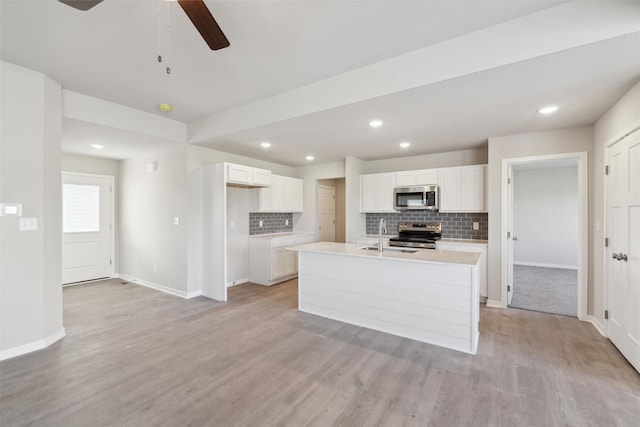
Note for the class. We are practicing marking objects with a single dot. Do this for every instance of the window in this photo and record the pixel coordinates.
(80, 208)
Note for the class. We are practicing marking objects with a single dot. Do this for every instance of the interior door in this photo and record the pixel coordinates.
(623, 252)
(510, 237)
(86, 227)
(326, 214)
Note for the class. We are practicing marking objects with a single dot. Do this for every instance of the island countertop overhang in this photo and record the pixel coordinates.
(423, 255)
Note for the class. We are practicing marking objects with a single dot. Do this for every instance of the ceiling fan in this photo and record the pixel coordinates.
(197, 12)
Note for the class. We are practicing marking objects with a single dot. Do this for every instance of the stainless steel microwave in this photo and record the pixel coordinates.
(424, 197)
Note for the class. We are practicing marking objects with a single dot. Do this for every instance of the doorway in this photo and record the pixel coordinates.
(545, 225)
(87, 227)
(330, 210)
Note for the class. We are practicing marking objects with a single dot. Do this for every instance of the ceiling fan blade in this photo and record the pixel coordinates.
(204, 22)
(81, 4)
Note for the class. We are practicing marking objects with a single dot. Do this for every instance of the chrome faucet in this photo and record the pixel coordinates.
(382, 228)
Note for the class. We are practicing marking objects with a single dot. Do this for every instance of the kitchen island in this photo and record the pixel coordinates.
(426, 295)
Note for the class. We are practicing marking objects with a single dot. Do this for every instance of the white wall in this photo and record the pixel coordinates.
(30, 261)
(573, 140)
(355, 222)
(149, 203)
(622, 118)
(428, 161)
(545, 217)
(238, 234)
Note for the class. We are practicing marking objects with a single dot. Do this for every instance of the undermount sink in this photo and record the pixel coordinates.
(387, 249)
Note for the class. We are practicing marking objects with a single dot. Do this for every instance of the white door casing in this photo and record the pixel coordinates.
(87, 231)
(583, 229)
(510, 236)
(326, 214)
(623, 251)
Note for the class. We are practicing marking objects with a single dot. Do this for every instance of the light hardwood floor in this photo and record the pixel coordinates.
(136, 357)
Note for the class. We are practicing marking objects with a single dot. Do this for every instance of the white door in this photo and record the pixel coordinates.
(87, 238)
(510, 237)
(623, 252)
(326, 214)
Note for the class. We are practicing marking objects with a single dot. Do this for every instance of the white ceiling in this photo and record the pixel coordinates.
(277, 47)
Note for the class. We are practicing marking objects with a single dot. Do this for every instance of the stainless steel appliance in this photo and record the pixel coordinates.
(417, 235)
(423, 197)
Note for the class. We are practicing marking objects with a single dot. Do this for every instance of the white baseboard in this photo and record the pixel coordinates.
(157, 287)
(494, 303)
(237, 282)
(540, 264)
(32, 346)
(596, 324)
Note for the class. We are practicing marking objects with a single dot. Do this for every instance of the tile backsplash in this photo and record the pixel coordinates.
(271, 223)
(454, 225)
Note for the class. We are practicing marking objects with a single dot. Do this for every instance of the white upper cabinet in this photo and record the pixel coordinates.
(285, 194)
(462, 189)
(293, 194)
(377, 192)
(417, 177)
(427, 177)
(405, 178)
(246, 175)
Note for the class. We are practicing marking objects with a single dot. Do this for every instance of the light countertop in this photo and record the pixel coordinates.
(276, 235)
(465, 241)
(349, 249)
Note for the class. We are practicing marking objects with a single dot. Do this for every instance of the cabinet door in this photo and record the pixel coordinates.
(427, 177)
(283, 263)
(386, 184)
(293, 194)
(472, 188)
(368, 193)
(405, 178)
(239, 174)
(260, 177)
(449, 182)
(377, 192)
(277, 193)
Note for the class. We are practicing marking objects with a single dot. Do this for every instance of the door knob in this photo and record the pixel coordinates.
(620, 256)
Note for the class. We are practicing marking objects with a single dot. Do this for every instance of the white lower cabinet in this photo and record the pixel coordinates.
(480, 248)
(269, 260)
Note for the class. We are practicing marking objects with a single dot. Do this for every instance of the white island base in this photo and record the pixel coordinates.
(429, 296)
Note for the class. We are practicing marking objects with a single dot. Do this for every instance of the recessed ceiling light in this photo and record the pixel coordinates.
(97, 146)
(265, 144)
(549, 109)
(165, 107)
(405, 144)
(375, 123)
(309, 157)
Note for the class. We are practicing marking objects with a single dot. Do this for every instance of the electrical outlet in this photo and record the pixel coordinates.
(260, 224)
(176, 220)
(476, 226)
(286, 222)
(155, 268)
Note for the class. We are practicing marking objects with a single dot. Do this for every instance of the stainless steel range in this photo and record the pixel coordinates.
(417, 235)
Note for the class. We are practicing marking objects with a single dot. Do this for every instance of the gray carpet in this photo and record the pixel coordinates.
(549, 290)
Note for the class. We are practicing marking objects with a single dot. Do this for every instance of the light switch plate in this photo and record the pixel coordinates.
(28, 224)
(476, 226)
(176, 220)
(11, 209)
